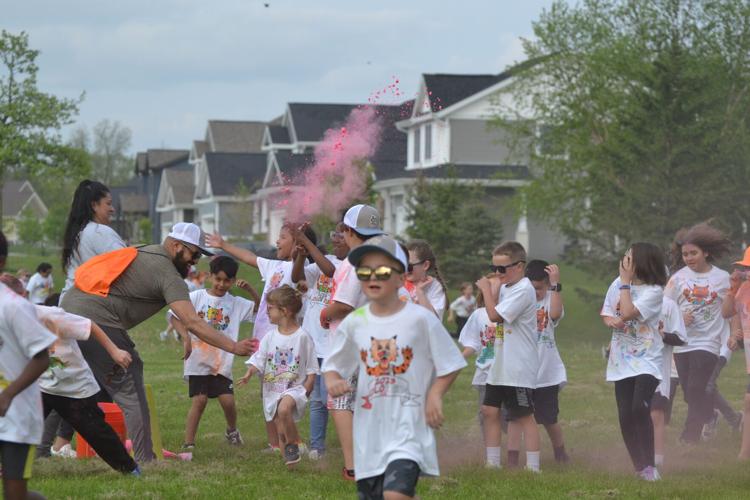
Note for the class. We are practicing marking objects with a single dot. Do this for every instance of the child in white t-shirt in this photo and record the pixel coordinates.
(406, 362)
(274, 273)
(545, 278)
(461, 308)
(632, 309)
(672, 331)
(23, 358)
(513, 374)
(40, 284)
(208, 369)
(286, 361)
(423, 279)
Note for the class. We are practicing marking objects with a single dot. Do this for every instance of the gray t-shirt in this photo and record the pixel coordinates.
(95, 239)
(147, 285)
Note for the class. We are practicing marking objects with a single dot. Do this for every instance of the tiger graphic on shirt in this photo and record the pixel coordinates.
(384, 381)
(216, 317)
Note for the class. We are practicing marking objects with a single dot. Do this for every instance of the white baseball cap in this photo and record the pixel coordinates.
(364, 219)
(187, 232)
(383, 244)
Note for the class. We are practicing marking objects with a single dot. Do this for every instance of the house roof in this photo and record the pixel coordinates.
(444, 90)
(199, 148)
(311, 120)
(226, 170)
(133, 203)
(227, 136)
(153, 159)
(279, 134)
(394, 170)
(182, 184)
(292, 164)
(16, 194)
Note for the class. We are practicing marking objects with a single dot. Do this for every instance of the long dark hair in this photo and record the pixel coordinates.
(81, 213)
(424, 253)
(649, 263)
(706, 237)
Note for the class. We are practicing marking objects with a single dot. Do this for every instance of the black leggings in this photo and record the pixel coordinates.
(88, 419)
(695, 369)
(633, 397)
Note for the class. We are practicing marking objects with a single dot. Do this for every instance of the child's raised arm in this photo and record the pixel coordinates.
(556, 302)
(243, 255)
(490, 295)
(323, 263)
(120, 357)
(244, 285)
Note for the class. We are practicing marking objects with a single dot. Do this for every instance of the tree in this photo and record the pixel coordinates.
(111, 141)
(30, 229)
(29, 119)
(634, 115)
(453, 217)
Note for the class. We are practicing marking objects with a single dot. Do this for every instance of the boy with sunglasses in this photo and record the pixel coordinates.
(406, 361)
(512, 377)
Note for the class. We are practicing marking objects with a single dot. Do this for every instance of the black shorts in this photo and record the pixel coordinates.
(518, 401)
(400, 476)
(212, 386)
(663, 403)
(546, 406)
(17, 459)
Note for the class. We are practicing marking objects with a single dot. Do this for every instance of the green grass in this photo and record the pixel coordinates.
(600, 466)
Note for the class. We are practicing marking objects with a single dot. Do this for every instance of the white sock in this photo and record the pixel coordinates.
(493, 456)
(532, 460)
(659, 460)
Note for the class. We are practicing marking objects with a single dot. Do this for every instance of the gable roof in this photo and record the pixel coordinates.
(291, 164)
(228, 136)
(444, 90)
(311, 120)
(16, 195)
(153, 159)
(226, 170)
(199, 148)
(180, 181)
(279, 134)
(134, 203)
(394, 170)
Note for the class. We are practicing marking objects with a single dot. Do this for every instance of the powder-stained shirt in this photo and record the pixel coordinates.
(149, 284)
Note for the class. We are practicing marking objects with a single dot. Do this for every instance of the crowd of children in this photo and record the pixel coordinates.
(358, 334)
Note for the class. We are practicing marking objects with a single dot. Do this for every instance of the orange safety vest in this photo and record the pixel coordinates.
(97, 274)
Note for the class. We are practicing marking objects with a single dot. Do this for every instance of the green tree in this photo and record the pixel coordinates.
(30, 229)
(29, 119)
(454, 218)
(637, 114)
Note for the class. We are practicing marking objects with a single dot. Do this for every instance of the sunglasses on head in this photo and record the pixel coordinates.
(336, 235)
(411, 265)
(194, 254)
(503, 269)
(381, 273)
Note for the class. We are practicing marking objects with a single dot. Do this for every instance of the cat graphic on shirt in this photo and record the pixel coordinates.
(381, 363)
(216, 317)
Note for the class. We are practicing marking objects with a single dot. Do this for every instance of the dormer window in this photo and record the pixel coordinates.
(417, 144)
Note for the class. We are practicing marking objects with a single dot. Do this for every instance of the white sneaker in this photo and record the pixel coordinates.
(65, 451)
(315, 455)
(163, 336)
(303, 449)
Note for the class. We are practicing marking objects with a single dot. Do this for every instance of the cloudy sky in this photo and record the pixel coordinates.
(164, 67)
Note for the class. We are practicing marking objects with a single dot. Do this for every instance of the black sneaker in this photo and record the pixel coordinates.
(188, 446)
(291, 454)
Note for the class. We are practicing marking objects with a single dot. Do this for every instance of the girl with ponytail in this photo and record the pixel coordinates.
(423, 279)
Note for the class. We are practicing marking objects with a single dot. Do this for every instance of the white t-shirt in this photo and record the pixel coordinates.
(671, 322)
(347, 289)
(397, 358)
(319, 292)
(463, 307)
(223, 314)
(637, 350)
(39, 288)
(68, 374)
(479, 334)
(701, 294)
(95, 239)
(284, 362)
(274, 273)
(551, 368)
(434, 293)
(516, 354)
(21, 338)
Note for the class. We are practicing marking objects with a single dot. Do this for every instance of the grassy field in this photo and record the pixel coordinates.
(600, 467)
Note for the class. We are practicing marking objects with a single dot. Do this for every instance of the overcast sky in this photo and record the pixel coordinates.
(164, 67)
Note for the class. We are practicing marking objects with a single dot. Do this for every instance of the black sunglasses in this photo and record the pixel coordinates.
(503, 269)
(381, 273)
(411, 265)
(194, 254)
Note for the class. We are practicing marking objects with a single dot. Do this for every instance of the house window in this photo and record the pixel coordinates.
(417, 155)
(188, 215)
(428, 141)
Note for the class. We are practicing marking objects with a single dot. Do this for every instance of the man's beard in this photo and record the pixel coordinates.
(179, 263)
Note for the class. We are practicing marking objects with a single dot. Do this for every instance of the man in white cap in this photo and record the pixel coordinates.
(153, 280)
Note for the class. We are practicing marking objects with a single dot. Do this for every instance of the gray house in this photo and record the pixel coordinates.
(19, 196)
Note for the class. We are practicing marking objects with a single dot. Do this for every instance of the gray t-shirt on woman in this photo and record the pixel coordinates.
(95, 239)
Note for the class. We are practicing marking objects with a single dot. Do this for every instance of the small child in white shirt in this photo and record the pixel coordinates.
(286, 361)
(461, 308)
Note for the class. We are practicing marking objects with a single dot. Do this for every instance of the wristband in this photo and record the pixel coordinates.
(556, 287)
(624, 287)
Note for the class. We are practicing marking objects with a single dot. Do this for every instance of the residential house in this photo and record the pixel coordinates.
(19, 197)
(131, 207)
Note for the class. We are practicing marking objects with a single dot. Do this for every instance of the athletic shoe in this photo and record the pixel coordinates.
(65, 451)
(315, 455)
(188, 447)
(348, 474)
(709, 428)
(234, 438)
(650, 474)
(136, 472)
(269, 450)
(291, 454)
(163, 336)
